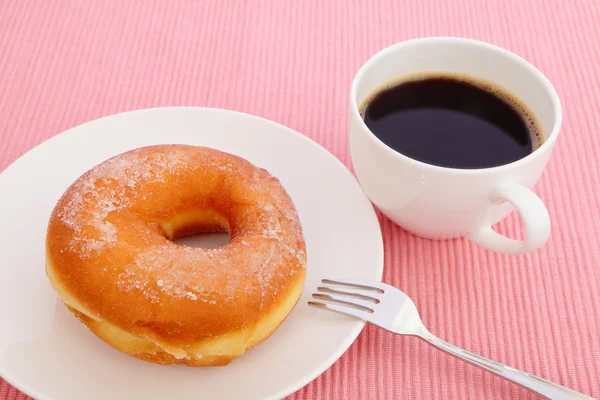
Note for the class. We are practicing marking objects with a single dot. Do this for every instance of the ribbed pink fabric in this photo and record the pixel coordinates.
(66, 62)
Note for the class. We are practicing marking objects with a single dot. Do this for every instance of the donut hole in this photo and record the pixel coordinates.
(204, 240)
(206, 228)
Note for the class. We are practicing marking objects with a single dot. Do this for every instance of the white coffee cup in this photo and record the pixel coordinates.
(437, 202)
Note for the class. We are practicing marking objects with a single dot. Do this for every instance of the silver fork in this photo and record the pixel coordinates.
(391, 309)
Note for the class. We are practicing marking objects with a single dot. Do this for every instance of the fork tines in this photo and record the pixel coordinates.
(351, 298)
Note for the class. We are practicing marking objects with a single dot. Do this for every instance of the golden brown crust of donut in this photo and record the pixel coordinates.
(109, 249)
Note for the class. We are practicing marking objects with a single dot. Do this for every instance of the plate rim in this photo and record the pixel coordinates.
(378, 268)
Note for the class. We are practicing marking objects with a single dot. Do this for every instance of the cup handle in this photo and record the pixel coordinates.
(535, 219)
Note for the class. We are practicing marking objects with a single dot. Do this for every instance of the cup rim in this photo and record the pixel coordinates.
(544, 81)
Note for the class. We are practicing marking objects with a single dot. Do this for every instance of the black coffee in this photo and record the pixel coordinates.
(452, 121)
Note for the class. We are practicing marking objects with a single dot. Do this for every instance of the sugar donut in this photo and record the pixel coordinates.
(111, 258)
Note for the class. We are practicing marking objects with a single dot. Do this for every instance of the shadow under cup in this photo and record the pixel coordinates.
(439, 202)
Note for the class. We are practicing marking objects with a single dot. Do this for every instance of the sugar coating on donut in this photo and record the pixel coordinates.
(127, 170)
(164, 269)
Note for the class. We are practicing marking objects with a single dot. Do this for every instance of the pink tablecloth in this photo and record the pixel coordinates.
(66, 62)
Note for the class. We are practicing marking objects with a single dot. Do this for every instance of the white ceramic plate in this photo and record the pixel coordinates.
(48, 354)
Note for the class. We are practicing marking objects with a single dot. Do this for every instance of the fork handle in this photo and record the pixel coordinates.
(541, 386)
